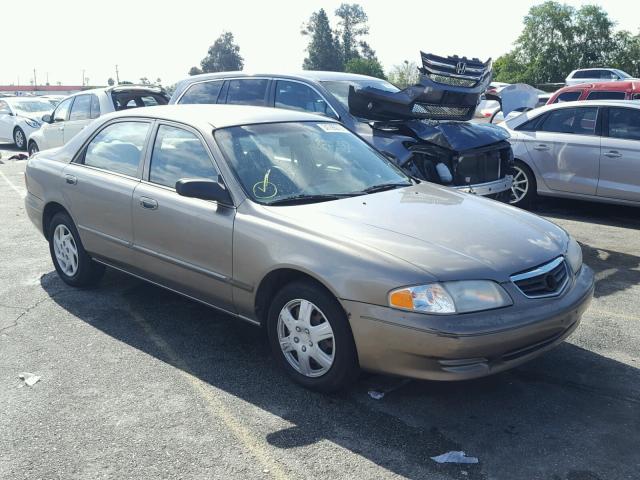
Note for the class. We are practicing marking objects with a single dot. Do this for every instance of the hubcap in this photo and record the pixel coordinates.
(306, 338)
(64, 247)
(520, 185)
(19, 139)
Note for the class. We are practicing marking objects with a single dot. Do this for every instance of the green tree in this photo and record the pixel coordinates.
(625, 53)
(195, 71)
(111, 82)
(508, 68)
(365, 66)
(593, 36)
(145, 81)
(323, 51)
(352, 24)
(223, 55)
(404, 74)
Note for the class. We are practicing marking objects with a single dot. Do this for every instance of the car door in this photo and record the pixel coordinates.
(620, 160)
(79, 116)
(6, 122)
(183, 243)
(98, 187)
(565, 149)
(53, 132)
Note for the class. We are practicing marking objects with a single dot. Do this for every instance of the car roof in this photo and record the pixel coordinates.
(316, 75)
(219, 116)
(623, 85)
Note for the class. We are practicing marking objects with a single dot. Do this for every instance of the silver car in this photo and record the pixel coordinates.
(289, 221)
(585, 150)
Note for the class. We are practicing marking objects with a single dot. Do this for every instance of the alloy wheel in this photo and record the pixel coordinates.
(19, 139)
(66, 250)
(33, 149)
(520, 185)
(306, 338)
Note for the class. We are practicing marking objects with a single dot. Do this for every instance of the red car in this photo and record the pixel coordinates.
(626, 90)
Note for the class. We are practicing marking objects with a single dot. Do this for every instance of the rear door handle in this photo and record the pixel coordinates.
(541, 146)
(613, 154)
(149, 203)
(70, 179)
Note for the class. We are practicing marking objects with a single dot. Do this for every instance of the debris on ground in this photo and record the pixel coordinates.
(454, 457)
(29, 378)
(376, 395)
(381, 391)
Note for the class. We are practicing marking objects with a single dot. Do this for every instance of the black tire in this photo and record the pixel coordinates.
(33, 148)
(88, 272)
(19, 139)
(522, 170)
(344, 369)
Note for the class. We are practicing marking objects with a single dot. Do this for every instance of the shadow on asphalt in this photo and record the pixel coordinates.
(615, 271)
(571, 407)
(591, 212)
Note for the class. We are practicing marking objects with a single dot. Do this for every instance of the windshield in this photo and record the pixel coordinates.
(340, 89)
(30, 106)
(278, 161)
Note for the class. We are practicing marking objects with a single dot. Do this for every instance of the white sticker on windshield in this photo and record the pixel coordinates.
(332, 127)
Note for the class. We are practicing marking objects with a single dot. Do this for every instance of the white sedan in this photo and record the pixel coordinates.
(20, 117)
(586, 150)
(77, 111)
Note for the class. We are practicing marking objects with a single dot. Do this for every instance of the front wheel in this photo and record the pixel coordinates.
(310, 337)
(523, 189)
(33, 148)
(19, 139)
(74, 266)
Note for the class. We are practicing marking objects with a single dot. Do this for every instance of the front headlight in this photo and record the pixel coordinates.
(451, 297)
(574, 255)
(32, 123)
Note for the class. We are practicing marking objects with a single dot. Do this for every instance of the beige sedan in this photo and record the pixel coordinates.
(289, 221)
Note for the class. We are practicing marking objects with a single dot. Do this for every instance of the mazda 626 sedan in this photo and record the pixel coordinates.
(289, 221)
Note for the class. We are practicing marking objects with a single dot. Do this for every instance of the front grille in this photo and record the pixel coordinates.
(436, 112)
(544, 281)
(456, 82)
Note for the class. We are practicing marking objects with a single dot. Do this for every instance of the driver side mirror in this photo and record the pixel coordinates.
(46, 118)
(204, 189)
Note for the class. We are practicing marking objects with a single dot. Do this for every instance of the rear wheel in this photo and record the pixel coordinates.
(33, 148)
(70, 259)
(19, 139)
(310, 337)
(523, 189)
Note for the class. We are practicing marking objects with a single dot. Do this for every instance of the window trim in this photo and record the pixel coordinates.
(191, 85)
(275, 87)
(78, 158)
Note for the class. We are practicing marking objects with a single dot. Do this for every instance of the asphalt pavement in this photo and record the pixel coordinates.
(139, 383)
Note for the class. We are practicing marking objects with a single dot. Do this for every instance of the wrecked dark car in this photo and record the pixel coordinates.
(424, 128)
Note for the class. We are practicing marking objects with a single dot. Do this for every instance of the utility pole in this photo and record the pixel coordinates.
(117, 76)
(47, 78)
(83, 77)
(35, 80)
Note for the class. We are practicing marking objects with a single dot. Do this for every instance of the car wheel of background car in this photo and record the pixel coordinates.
(72, 263)
(33, 148)
(523, 190)
(19, 139)
(311, 339)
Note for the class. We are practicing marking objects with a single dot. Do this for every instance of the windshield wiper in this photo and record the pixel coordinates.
(385, 186)
(307, 198)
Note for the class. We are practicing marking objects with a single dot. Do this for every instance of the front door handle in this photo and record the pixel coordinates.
(613, 154)
(149, 203)
(541, 147)
(70, 179)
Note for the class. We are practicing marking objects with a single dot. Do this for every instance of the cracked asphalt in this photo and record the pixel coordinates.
(139, 383)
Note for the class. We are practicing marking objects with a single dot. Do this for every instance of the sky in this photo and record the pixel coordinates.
(61, 38)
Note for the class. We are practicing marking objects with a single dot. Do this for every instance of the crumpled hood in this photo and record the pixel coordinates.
(457, 136)
(451, 235)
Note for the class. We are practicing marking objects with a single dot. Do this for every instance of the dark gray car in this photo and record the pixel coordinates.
(475, 158)
(289, 221)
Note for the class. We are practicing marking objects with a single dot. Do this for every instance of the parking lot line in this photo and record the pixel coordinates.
(216, 407)
(20, 191)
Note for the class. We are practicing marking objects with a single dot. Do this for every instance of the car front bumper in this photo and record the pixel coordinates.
(465, 346)
(488, 188)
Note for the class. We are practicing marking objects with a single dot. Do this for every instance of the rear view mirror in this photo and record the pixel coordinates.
(46, 118)
(204, 189)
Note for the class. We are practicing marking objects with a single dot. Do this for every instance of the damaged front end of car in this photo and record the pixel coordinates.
(425, 130)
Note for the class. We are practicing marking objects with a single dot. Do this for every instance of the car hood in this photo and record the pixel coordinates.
(450, 235)
(457, 136)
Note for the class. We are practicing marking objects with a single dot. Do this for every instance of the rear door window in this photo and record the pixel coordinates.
(118, 147)
(624, 123)
(578, 121)
(597, 95)
(81, 109)
(61, 113)
(568, 97)
(205, 92)
(298, 96)
(177, 154)
(251, 91)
